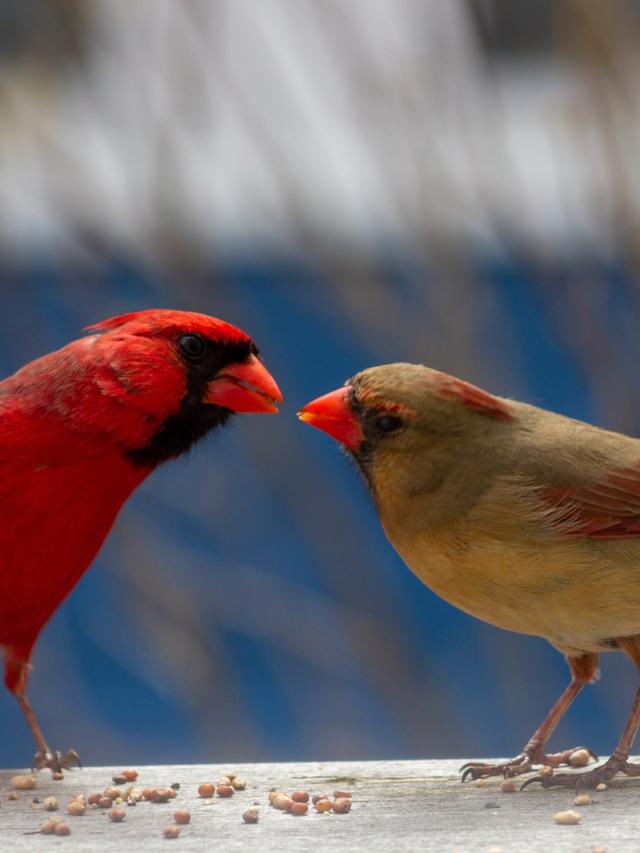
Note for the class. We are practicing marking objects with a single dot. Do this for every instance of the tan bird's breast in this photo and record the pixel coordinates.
(576, 594)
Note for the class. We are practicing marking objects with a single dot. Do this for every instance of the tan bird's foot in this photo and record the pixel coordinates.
(56, 761)
(523, 763)
(617, 763)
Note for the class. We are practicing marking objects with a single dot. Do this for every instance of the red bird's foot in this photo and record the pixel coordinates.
(522, 763)
(617, 763)
(56, 761)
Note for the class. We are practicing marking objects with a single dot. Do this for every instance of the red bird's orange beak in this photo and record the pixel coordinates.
(247, 387)
(333, 415)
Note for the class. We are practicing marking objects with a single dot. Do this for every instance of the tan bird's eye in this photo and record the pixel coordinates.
(388, 423)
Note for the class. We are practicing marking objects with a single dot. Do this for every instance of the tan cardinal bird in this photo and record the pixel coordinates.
(524, 518)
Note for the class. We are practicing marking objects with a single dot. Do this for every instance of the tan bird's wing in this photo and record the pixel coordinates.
(609, 509)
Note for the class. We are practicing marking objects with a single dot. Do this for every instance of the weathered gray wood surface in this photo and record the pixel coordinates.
(397, 806)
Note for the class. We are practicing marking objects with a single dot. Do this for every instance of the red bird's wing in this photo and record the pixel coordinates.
(609, 509)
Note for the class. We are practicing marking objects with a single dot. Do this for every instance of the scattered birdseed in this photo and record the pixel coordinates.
(182, 816)
(162, 795)
(582, 800)
(341, 795)
(224, 780)
(94, 799)
(130, 775)
(112, 792)
(76, 807)
(118, 779)
(225, 790)
(230, 777)
(105, 802)
(24, 782)
(567, 818)
(282, 802)
(317, 797)
(48, 827)
(601, 786)
(323, 805)
(298, 808)
(171, 831)
(300, 797)
(481, 783)
(251, 815)
(579, 758)
(12, 795)
(117, 815)
(57, 775)
(175, 786)
(61, 829)
(207, 789)
(238, 784)
(508, 786)
(341, 805)
(599, 850)
(134, 795)
(50, 804)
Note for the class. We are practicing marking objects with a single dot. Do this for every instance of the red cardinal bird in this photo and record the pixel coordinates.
(80, 428)
(521, 517)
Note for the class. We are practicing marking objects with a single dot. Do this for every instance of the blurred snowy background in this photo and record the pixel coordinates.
(352, 181)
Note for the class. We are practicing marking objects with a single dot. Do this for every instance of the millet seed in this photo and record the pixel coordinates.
(182, 816)
(171, 831)
(568, 818)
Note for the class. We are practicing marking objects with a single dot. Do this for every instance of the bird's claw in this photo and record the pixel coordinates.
(478, 770)
(590, 779)
(522, 763)
(542, 779)
(55, 761)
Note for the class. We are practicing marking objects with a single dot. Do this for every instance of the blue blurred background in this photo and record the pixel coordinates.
(451, 183)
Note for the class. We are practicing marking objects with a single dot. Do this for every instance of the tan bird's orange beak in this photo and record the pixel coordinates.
(333, 415)
(246, 387)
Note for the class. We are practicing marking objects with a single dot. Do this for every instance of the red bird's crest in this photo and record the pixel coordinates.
(159, 321)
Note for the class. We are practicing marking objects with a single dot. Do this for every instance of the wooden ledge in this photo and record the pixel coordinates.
(397, 806)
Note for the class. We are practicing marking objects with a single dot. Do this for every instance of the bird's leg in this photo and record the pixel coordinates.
(583, 670)
(17, 669)
(55, 761)
(618, 761)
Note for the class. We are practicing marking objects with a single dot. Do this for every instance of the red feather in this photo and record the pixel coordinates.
(609, 509)
(473, 398)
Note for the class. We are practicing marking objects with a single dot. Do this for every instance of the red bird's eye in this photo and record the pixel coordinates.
(192, 346)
